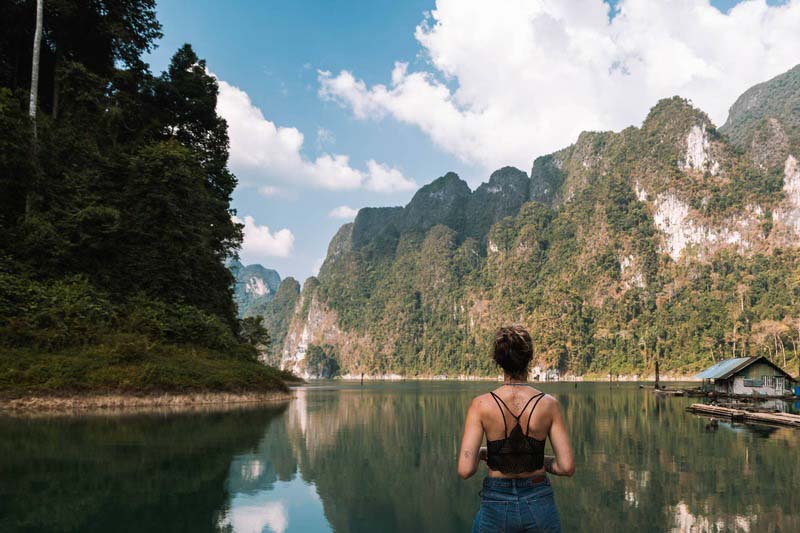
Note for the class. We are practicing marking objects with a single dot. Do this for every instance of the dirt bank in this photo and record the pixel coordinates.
(131, 404)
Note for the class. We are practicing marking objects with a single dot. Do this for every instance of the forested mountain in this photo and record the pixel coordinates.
(276, 315)
(254, 286)
(673, 241)
(115, 217)
(260, 292)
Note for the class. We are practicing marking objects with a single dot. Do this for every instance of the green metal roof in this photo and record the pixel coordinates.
(725, 368)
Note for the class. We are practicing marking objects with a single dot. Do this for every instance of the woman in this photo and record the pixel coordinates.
(516, 419)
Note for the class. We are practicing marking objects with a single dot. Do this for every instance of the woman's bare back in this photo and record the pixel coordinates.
(516, 404)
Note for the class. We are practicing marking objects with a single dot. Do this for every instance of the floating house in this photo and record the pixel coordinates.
(538, 373)
(748, 376)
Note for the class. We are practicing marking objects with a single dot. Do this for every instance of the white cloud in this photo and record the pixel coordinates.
(343, 211)
(530, 75)
(324, 138)
(381, 178)
(260, 243)
(262, 153)
(271, 191)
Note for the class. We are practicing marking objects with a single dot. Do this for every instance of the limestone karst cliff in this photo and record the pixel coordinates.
(673, 241)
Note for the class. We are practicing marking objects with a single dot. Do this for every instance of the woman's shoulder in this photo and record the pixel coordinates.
(548, 403)
(482, 398)
(481, 402)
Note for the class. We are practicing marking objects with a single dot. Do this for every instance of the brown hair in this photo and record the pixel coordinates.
(513, 350)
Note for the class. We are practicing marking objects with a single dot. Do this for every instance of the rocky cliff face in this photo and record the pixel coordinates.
(764, 121)
(674, 241)
(315, 324)
(254, 285)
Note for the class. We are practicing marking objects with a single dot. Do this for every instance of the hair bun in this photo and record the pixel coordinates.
(513, 350)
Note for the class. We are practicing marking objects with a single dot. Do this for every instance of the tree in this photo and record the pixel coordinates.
(37, 44)
(32, 106)
(321, 361)
(253, 332)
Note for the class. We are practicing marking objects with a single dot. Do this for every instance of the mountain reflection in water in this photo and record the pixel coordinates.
(382, 458)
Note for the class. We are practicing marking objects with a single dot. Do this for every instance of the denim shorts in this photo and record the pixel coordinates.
(511, 505)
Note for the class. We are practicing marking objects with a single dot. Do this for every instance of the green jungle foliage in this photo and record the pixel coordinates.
(276, 315)
(322, 361)
(426, 298)
(778, 99)
(115, 217)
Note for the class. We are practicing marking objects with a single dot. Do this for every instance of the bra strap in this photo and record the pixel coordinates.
(528, 425)
(497, 401)
(523, 409)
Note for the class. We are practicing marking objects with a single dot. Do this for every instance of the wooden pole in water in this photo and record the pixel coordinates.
(657, 377)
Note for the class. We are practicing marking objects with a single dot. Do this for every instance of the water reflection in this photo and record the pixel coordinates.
(139, 473)
(381, 458)
(274, 508)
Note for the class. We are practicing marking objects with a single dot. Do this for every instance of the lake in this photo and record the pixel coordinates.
(381, 457)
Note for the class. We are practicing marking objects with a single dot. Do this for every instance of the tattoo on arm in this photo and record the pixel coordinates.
(467, 454)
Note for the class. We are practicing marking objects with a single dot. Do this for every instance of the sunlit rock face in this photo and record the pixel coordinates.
(697, 152)
(683, 230)
(295, 353)
(255, 286)
(789, 212)
(631, 272)
(317, 326)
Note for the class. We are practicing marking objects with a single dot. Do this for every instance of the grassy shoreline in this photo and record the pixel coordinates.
(100, 371)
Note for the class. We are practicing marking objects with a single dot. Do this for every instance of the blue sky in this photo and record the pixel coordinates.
(273, 50)
(422, 126)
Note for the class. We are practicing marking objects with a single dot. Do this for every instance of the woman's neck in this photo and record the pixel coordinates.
(508, 380)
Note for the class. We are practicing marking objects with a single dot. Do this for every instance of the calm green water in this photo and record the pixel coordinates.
(382, 458)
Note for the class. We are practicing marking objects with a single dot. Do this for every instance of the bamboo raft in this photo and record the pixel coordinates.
(740, 415)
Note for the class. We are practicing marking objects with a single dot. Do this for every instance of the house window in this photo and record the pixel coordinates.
(780, 383)
(754, 382)
(769, 381)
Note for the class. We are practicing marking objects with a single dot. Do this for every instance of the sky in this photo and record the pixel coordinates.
(337, 105)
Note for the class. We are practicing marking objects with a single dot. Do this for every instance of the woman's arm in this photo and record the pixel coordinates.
(563, 464)
(471, 442)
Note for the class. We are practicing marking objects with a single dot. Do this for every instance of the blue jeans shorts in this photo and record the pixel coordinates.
(511, 505)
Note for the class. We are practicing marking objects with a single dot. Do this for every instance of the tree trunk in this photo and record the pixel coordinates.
(55, 85)
(37, 45)
(775, 340)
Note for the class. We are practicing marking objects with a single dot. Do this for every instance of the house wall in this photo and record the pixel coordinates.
(740, 388)
(757, 370)
(722, 387)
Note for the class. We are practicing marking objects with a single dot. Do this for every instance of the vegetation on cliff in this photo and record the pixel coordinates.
(666, 242)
